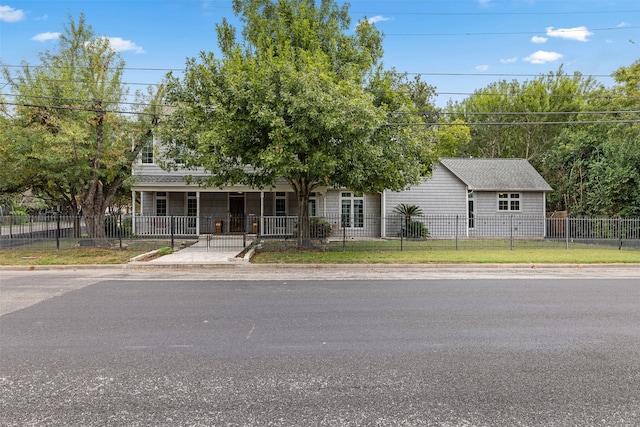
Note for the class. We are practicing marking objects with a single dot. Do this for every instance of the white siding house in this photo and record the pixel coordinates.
(478, 197)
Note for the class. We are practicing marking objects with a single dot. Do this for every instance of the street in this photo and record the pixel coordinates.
(184, 348)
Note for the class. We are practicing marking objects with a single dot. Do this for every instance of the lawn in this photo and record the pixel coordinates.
(526, 256)
(43, 255)
(355, 253)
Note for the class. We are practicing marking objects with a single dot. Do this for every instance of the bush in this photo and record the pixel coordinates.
(320, 228)
(114, 228)
(415, 230)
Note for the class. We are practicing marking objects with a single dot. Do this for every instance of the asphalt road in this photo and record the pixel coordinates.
(115, 349)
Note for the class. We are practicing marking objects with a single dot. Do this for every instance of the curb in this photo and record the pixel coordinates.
(245, 264)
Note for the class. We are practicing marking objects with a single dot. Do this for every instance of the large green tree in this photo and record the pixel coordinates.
(516, 119)
(593, 165)
(65, 139)
(296, 98)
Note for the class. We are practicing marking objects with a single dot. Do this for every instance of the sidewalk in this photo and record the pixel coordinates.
(202, 253)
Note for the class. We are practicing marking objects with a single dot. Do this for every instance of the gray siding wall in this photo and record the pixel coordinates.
(214, 205)
(176, 203)
(372, 207)
(148, 203)
(441, 195)
(528, 222)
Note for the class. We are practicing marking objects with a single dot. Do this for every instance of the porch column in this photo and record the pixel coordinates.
(261, 212)
(198, 213)
(133, 212)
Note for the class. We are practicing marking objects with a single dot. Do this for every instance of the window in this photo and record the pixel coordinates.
(312, 205)
(161, 203)
(472, 219)
(352, 210)
(281, 203)
(147, 152)
(508, 202)
(192, 209)
(192, 204)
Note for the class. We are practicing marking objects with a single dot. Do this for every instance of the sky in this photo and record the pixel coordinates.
(458, 46)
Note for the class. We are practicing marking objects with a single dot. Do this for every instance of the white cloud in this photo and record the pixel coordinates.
(43, 37)
(577, 33)
(509, 60)
(482, 68)
(378, 18)
(542, 57)
(623, 25)
(9, 14)
(538, 39)
(120, 45)
(484, 2)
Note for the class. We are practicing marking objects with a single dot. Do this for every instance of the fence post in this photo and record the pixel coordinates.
(566, 232)
(171, 227)
(619, 233)
(511, 232)
(344, 236)
(457, 219)
(402, 225)
(120, 224)
(247, 220)
(57, 231)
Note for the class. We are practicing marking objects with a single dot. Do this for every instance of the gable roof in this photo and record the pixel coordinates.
(496, 174)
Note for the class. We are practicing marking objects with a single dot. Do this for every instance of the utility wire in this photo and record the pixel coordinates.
(69, 108)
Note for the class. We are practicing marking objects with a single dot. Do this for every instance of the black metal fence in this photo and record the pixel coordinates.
(340, 232)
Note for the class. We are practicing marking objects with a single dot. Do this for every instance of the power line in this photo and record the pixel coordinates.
(70, 108)
(497, 33)
(578, 12)
(514, 113)
(577, 122)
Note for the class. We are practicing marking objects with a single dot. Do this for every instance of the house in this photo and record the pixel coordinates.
(465, 197)
(494, 197)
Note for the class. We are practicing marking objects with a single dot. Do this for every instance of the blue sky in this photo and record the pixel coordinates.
(456, 45)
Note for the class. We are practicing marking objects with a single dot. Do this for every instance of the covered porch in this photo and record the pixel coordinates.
(158, 212)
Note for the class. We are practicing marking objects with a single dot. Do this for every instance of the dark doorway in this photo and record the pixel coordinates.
(236, 212)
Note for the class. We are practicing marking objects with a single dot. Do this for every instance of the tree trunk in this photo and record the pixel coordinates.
(302, 190)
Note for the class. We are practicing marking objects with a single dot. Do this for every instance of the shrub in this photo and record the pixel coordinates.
(114, 228)
(415, 230)
(319, 228)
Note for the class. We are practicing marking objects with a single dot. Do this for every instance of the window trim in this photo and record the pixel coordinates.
(162, 196)
(352, 197)
(147, 154)
(511, 198)
(280, 196)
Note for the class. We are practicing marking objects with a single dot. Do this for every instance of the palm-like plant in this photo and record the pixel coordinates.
(410, 229)
(408, 210)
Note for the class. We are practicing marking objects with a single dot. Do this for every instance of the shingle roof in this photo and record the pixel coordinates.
(496, 174)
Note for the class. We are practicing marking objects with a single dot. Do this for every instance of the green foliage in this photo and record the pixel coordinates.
(65, 141)
(527, 105)
(593, 166)
(297, 99)
(114, 228)
(320, 228)
(165, 251)
(415, 230)
(407, 210)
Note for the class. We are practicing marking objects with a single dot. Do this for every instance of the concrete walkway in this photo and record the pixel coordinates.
(203, 252)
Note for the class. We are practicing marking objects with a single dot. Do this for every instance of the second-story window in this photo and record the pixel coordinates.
(146, 153)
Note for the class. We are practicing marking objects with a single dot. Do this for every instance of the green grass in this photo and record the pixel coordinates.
(71, 255)
(527, 256)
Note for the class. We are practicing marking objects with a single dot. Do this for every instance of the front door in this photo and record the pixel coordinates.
(236, 212)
